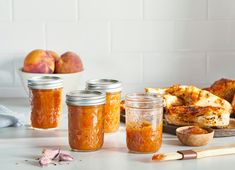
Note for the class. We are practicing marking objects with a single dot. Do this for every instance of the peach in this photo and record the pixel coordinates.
(40, 61)
(53, 54)
(69, 62)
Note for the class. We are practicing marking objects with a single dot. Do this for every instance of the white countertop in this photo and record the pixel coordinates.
(20, 146)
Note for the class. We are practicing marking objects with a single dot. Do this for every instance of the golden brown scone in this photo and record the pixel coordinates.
(205, 116)
(160, 91)
(206, 88)
(189, 105)
(233, 104)
(169, 99)
(194, 96)
(223, 88)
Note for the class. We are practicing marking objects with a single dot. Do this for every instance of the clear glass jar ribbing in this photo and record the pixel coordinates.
(112, 88)
(144, 122)
(85, 120)
(45, 94)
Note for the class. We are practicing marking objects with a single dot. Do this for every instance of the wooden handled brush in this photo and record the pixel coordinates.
(195, 154)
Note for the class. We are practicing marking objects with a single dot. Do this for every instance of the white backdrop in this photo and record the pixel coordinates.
(144, 43)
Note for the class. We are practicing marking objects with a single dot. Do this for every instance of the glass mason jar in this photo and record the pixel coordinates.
(85, 120)
(112, 88)
(45, 95)
(144, 122)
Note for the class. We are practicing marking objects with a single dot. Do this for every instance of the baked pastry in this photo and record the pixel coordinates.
(223, 88)
(189, 105)
(204, 116)
(170, 100)
(197, 97)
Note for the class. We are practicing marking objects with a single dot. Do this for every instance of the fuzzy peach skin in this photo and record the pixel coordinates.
(53, 54)
(40, 61)
(69, 62)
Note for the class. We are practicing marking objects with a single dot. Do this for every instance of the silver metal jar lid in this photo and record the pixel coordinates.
(85, 98)
(106, 85)
(45, 82)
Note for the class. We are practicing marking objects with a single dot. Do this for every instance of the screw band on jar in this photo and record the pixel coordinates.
(112, 88)
(45, 82)
(45, 95)
(85, 119)
(85, 98)
(104, 85)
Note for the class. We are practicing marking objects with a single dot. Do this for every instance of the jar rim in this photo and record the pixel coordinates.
(145, 98)
(85, 98)
(45, 82)
(107, 85)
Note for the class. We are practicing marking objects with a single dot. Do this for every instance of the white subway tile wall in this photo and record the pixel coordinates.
(144, 43)
(220, 64)
(170, 68)
(18, 37)
(203, 36)
(110, 9)
(221, 9)
(130, 71)
(175, 9)
(142, 36)
(81, 36)
(6, 71)
(45, 10)
(5, 10)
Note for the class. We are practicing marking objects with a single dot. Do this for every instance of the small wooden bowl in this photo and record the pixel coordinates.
(194, 139)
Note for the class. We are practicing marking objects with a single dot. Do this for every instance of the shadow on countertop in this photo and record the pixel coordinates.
(27, 132)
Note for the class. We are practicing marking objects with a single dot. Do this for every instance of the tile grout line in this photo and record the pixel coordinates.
(207, 64)
(142, 11)
(109, 36)
(12, 10)
(207, 10)
(14, 62)
(14, 73)
(142, 61)
(77, 10)
(45, 35)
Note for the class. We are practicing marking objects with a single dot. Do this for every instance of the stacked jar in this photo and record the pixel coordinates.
(112, 89)
(45, 95)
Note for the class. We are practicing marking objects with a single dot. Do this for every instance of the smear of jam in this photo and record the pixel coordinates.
(194, 130)
(158, 157)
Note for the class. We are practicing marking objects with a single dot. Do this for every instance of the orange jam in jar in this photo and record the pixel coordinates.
(45, 95)
(85, 120)
(141, 137)
(112, 88)
(144, 122)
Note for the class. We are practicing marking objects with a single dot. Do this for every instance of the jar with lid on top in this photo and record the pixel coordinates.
(85, 120)
(144, 122)
(112, 88)
(45, 93)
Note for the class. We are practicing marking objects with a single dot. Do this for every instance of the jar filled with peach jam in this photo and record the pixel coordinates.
(45, 93)
(112, 88)
(144, 122)
(85, 120)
